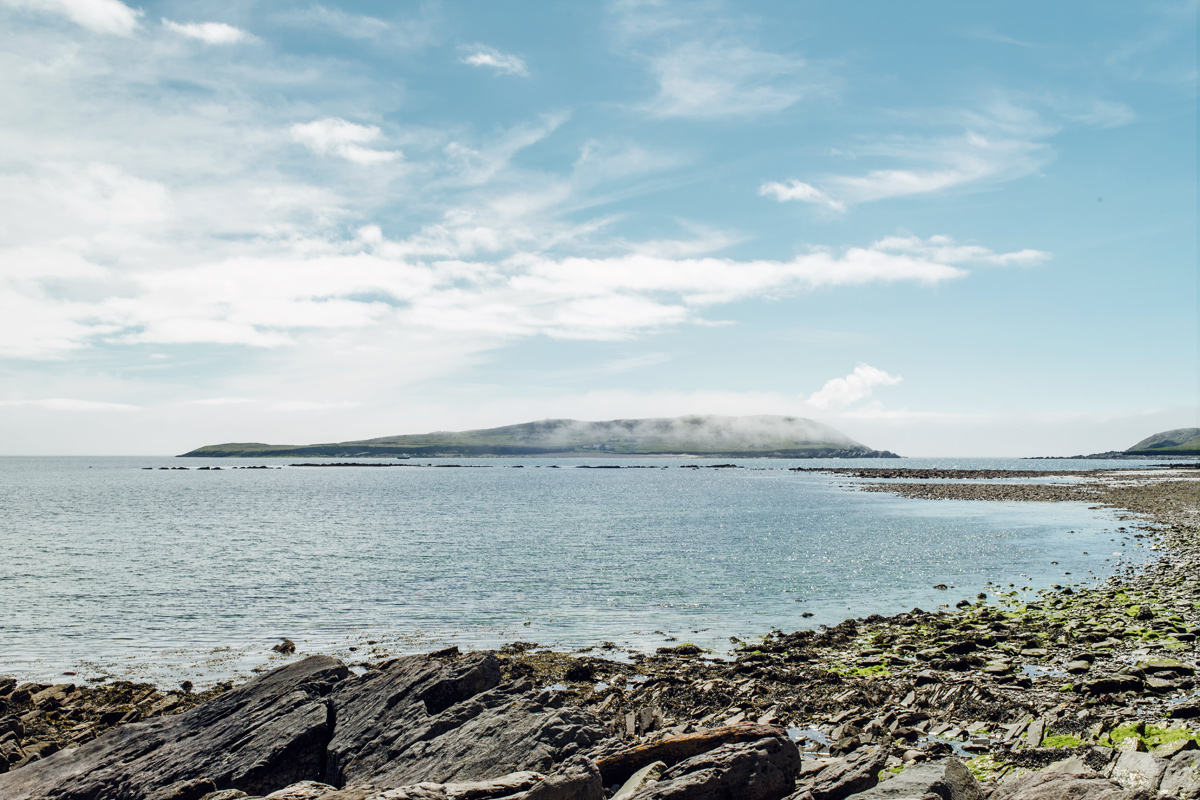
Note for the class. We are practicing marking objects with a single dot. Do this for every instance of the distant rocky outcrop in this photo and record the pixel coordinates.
(722, 437)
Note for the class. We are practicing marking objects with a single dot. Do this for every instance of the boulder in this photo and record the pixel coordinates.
(1182, 776)
(855, 774)
(1136, 770)
(265, 735)
(424, 719)
(644, 777)
(948, 779)
(1046, 785)
(1112, 684)
(761, 770)
(620, 763)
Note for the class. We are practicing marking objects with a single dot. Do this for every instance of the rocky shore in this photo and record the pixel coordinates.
(1070, 692)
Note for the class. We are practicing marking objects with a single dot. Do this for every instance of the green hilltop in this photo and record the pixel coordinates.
(764, 435)
(1181, 442)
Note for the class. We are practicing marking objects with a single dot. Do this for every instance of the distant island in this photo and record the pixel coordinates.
(1178, 442)
(763, 436)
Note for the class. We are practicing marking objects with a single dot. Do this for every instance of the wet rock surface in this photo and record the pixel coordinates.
(1070, 692)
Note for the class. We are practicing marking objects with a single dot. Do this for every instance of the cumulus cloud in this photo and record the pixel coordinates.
(944, 250)
(840, 392)
(208, 32)
(502, 63)
(802, 192)
(277, 301)
(102, 16)
(334, 136)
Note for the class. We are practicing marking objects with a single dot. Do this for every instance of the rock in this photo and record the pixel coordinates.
(617, 767)
(185, 790)
(1171, 748)
(577, 779)
(225, 794)
(1112, 684)
(845, 746)
(1185, 710)
(262, 736)
(640, 780)
(1078, 667)
(844, 778)
(1165, 666)
(286, 647)
(304, 790)
(509, 786)
(425, 719)
(1138, 771)
(761, 770)
(1045, 785)
(1075, 765)
(948, 779)
(1182, 776)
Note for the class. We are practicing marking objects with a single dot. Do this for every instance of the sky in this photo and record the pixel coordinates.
(943, 228)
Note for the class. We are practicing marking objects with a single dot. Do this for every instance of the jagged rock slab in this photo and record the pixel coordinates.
(425, 719)
(1135, 770)
(262, 736)
(948, 779)
(1182, 777)
(619, 764)
(855, 774)
(762, 770)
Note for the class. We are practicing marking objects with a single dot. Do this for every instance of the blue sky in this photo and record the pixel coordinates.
(943, 228)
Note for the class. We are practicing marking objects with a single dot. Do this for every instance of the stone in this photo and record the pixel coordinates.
(1171, 748)
(640, 780)
(1046, 785)
(185, 790)
(948, 779)
(1182, 776)
(1185, 710)
(616, 767)
(303, 790)
(576, 779)
(421, 719)
(1078, 667)
(855, 774)
(1138, 771)
(1165, 666)
(506, 786)
(761, 770)
(225, 794)
(1112, 684)
(262, 736)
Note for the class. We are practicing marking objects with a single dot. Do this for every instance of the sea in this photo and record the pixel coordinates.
(132, 568)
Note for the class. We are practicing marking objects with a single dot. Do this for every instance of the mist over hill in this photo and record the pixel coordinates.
(762, 435)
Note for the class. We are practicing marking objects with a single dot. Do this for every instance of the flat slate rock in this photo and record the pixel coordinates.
(262, 736)
(1046, 785)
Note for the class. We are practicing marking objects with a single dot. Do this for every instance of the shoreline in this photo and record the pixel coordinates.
(1075, 667)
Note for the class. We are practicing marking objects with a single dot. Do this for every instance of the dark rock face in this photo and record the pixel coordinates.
(856, 774)
(762, 770)
(263, 736)
(421, 719)
(617, 766)
(948, 779)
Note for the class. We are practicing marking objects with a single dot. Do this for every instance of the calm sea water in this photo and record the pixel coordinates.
(112, 569)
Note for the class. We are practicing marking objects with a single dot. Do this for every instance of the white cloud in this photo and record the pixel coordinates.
(803, 192)
(337, 137)
(209, 32)
(102, 16)
(944, 250)
(859, 384)
(502, 63)
(714, 79)
(635, 362)
(67, 404)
